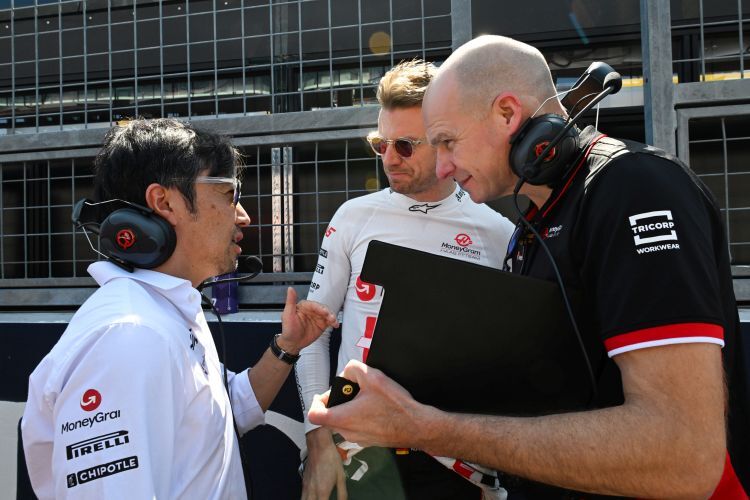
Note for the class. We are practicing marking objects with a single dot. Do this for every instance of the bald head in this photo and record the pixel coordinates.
(489, 65)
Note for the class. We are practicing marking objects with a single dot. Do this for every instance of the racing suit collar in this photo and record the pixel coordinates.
(405, 202)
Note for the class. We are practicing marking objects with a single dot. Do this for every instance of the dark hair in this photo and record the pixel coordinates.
(163, 151)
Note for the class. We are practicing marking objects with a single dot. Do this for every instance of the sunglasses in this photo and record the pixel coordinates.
(223, 180)
(403, 145)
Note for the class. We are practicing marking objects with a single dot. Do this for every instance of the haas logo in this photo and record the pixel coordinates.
(125, 238)
(365, 291)
(91, 400)
(539, 149)
(463, 240)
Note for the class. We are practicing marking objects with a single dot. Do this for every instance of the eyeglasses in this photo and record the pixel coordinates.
(223, 180)
(404, 146)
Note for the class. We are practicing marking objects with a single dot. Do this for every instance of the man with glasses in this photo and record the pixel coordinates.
(420, 211)
(131, 402)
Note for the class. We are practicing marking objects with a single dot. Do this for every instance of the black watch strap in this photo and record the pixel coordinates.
(280, 353)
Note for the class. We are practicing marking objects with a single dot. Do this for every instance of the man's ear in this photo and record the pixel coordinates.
(162, 201)
(508, 112)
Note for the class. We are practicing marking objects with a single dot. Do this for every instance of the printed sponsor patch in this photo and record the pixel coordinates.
(365, 290)
(91, 400)
(99, 417)
(552, 232)
(319, 269)
(323, 253)
(463, 239)
(654, 231)
(462, 247)
(103, 470)
(95, 444)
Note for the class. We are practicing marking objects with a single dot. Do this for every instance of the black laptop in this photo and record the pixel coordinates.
(468, 338)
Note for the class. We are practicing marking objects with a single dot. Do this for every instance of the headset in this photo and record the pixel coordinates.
(130, 236)
(133, 236)
(543, 148)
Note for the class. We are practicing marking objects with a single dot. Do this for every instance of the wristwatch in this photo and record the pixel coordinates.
(280, 353)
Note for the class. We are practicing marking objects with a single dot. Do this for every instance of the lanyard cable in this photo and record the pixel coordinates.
(207, 284)
(568, 308)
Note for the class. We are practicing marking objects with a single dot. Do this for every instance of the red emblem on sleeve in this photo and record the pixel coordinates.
(365, 290)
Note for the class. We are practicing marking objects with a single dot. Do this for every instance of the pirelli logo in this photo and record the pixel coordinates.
(95, 444)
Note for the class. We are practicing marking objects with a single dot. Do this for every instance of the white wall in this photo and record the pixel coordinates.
(10, 413)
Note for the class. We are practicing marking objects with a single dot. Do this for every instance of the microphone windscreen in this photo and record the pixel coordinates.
(614, 80)
(598, 76)
(249, 264)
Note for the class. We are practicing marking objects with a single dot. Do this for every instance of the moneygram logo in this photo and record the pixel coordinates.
(91, 400)
(365, 290)
(463, 240)
(99, 417)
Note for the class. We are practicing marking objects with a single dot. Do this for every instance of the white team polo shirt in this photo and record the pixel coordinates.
(130, 402)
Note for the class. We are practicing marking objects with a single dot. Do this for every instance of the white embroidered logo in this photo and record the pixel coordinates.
(653, 227)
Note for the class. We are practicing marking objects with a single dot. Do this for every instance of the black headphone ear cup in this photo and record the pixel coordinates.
(137, 238)
(531, 141)
(518, 150)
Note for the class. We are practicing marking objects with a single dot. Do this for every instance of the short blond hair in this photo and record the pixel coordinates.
(405, 84)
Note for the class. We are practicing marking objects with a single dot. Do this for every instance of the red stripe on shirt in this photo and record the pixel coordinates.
(573, 175)
(462, 469)
(729, 487)
(674, 331)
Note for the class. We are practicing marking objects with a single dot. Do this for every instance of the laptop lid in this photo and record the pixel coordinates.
(468, 338)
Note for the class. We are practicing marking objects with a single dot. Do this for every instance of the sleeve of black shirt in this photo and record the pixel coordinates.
(646, 239)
